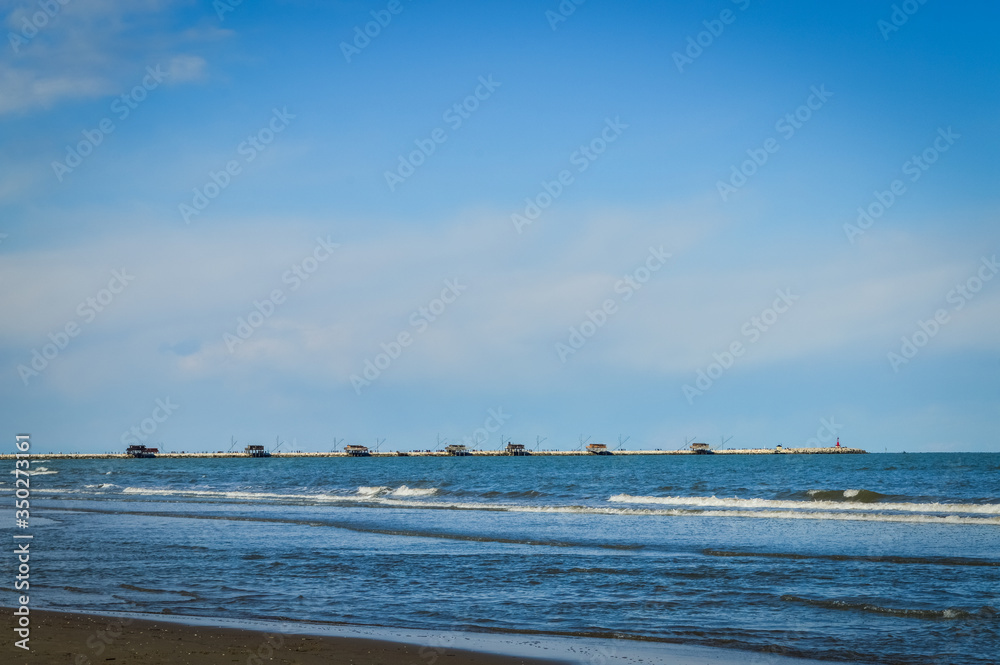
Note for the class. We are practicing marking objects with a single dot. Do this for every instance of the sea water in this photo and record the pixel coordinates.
(882, 558)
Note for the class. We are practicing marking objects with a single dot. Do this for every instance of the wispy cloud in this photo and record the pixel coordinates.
(505, 327)
(89, 50)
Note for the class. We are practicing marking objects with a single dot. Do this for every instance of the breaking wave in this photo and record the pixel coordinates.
(37, 471)
(373, 491)
(776, 504)
(407, 495)
(951, 613)
(403, 490)
(859, 496)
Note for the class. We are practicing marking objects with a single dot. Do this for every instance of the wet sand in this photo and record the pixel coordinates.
(59, 638)
(81, 639)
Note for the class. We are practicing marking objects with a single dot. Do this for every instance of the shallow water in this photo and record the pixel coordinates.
(878, 558)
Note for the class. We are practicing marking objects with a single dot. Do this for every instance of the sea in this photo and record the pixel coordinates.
(873, 558)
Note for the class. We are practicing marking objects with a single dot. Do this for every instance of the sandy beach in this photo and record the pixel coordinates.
(69, 638)
(59, 638)
(80, 639)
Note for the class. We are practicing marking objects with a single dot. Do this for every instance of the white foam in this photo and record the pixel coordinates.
(849, 494)
(403, 490)
(37, 471)
(373, 491)
(735, 502)
(698, 506)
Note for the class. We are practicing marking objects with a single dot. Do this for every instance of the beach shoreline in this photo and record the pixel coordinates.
(80, 638)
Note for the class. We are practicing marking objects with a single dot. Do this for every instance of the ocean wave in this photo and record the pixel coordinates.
(365, 494)
(951, 613)
(496, 494)
(403, 490)
(777, 504)
(859, 496)
(373, 491)
(873, 558)
(771, 514)
(37, 471)
(237, 494)
(389, 501)
(132, 587)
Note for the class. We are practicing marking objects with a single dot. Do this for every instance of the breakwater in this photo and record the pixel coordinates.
(469, 453)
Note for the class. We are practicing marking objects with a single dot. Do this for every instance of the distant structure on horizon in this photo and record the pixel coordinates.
(506, 449)
(517, 450)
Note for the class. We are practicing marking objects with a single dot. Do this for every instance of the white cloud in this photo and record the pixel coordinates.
(195, 284)
(22, 88)
(92, 49)
(184, 68)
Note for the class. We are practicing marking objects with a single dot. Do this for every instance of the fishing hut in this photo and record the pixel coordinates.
(256, 451)
(517, 450)
(141, 451)
(457, 450)
(357, 451)
(598, 449)
(701, 449)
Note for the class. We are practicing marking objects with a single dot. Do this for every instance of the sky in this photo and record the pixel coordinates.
(409, 220)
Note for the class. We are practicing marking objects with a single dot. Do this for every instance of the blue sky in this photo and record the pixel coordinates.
(644, 148)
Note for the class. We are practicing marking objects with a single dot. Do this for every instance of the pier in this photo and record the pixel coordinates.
(522, 452)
